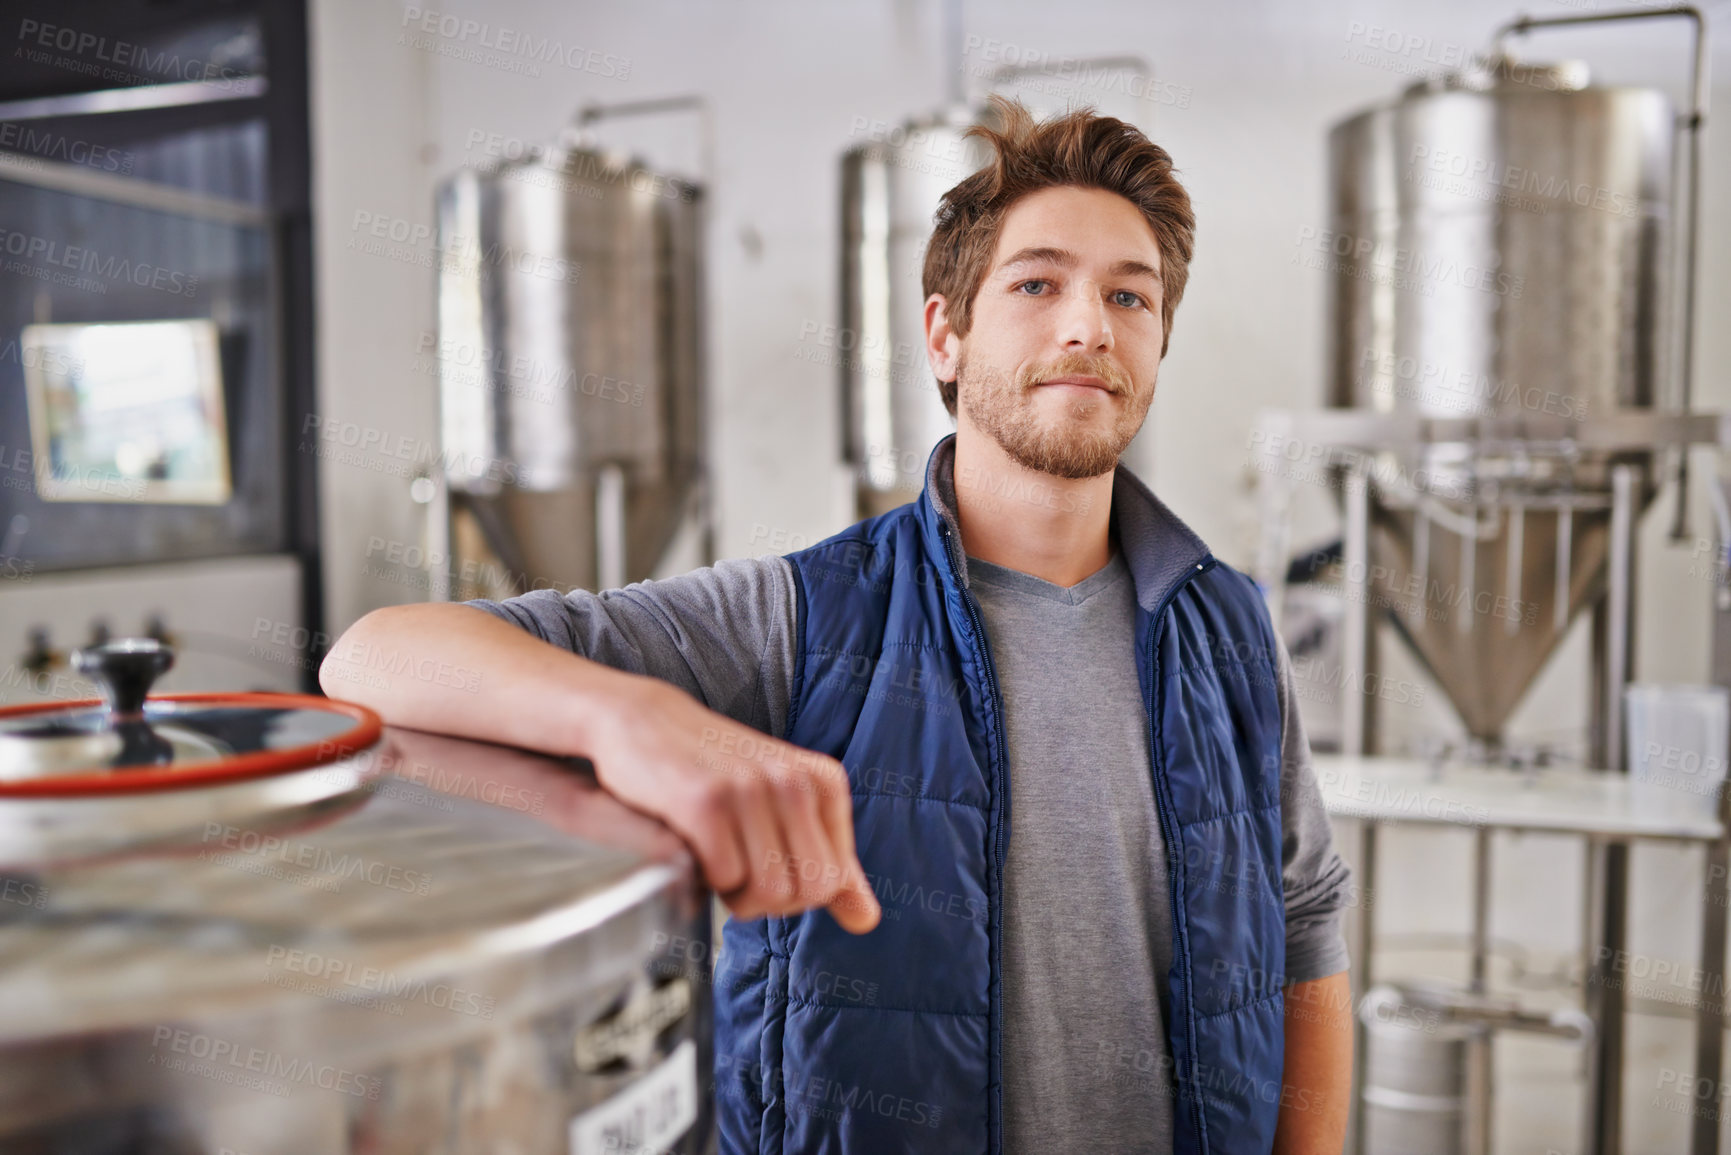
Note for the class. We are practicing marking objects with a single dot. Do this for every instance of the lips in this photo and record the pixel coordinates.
(1092, 382)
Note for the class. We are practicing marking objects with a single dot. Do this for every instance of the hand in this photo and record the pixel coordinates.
(771, 824)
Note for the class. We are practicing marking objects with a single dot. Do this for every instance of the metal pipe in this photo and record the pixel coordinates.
(1011, 71)
(1609, 862)
(1620, 608)
(1692, 126)
(1481, 909)
(1517, 550)
(136, 98)
(1357, 625)
(1710, 1011)
(955, 80)
(1480, 1097)
(610, 517)
(129, 190)
(591, 113)
(1716, 905)
(1362, 938)
(1608, 866)
(1565, 563)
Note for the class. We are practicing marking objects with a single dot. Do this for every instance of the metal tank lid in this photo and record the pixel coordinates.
(129, 742)
(1503, 74)
(578, 158)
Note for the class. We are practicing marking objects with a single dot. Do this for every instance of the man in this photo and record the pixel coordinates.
(1035, 860)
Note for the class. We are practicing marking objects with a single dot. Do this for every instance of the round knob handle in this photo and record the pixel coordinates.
(124, 670)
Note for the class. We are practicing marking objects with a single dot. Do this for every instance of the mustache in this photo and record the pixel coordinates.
(1076, 365)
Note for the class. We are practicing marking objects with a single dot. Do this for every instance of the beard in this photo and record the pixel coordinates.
(1070, 446)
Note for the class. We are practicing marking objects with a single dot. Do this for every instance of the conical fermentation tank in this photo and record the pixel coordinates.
(1500, 248)
(570, 369)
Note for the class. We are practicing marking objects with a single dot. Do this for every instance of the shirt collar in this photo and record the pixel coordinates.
(1158, 547)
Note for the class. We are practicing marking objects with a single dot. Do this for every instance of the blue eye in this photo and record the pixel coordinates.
(1135, 299)
(1025, 284)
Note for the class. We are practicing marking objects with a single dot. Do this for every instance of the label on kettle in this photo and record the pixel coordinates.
(646, 1117)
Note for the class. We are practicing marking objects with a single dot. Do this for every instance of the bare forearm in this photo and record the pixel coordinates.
(456, 670)
(771, 824)
(1316, 1091)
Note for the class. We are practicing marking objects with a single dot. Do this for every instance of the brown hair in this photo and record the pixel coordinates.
(1081, 149)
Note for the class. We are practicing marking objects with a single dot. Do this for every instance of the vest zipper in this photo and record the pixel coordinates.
(1174, 852)
(1001, 782)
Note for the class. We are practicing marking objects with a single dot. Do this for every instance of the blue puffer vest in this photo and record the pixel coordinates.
(891, 1041)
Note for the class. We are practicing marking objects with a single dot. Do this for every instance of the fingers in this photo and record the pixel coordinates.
(770, 823)
(766, 889)
(709, 825)
(796, 823)
(818, 872)
(854, 905)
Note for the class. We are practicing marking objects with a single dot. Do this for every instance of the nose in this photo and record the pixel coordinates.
(1084, 325)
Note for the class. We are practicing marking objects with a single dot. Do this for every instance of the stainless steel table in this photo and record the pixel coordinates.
(1607, 809)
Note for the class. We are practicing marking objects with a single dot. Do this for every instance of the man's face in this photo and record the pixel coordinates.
(1060, 363)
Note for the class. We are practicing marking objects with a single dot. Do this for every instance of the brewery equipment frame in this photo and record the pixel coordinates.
(1347, 441)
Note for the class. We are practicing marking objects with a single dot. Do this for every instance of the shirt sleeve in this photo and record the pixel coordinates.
(724, 633)
(1315, 881)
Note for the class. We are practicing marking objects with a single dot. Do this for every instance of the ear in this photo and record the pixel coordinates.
(942, 344)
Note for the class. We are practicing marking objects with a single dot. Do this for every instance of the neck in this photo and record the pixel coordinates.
(1051, 527)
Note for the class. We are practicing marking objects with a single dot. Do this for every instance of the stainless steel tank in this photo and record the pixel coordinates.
(891, 186)
(570, 368)
(1500, 247)
(256, 923)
